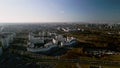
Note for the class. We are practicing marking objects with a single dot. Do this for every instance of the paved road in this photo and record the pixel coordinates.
(80, 61)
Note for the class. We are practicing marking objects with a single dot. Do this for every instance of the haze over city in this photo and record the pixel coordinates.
(13, 11)
(59, 33)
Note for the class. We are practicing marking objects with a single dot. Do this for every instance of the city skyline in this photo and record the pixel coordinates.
(59, 11)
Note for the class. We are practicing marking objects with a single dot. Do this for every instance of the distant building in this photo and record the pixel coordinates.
(1, 49)
(45, 43)
(5, 39)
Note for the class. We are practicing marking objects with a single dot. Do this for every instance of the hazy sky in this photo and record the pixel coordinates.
(59, 10)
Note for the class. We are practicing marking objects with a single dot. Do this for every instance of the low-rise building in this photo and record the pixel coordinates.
(52, 41)
(98, 52)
